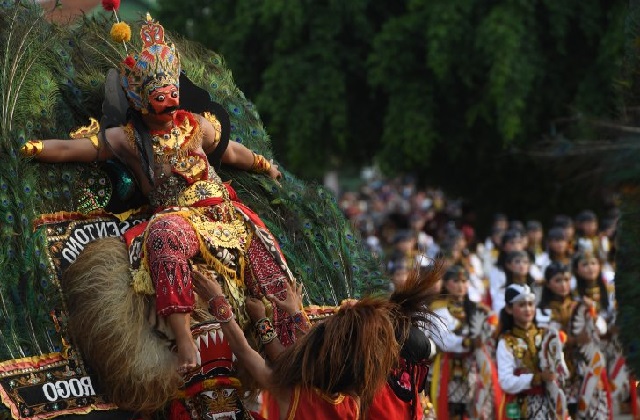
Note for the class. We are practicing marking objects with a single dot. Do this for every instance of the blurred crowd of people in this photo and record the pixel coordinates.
(557, 272)
(407, 227)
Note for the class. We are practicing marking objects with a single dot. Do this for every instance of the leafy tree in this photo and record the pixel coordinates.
(470, 76)
(305, 65)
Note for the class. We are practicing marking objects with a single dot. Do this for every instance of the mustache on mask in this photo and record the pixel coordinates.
(167, 110)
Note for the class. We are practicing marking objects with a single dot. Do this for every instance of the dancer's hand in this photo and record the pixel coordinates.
(255, 308)
(205, 286)
(292, 303)
(274, 172)
(477, 343)
(583, 338)
(547, 376)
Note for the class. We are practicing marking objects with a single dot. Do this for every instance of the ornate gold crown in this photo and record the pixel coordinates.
(157, 65)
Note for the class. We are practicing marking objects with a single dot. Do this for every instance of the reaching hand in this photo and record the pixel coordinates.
(292, 303)
(255, 309)
(547, 376)
(477, 343)
(274, 173)
(204, 286)
(583, 338)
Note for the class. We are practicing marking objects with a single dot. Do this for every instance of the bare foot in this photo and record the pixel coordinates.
(187, 356)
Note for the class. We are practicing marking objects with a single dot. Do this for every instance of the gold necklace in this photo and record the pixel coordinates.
(175, 144)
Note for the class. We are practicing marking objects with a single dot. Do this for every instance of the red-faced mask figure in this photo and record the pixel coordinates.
(164, 101)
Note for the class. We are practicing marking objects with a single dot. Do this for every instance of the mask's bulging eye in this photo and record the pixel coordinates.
(174, 94)
(160, 98)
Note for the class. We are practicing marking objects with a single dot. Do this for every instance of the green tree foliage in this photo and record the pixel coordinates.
(447, 89)
(491, 77)
(304, 63)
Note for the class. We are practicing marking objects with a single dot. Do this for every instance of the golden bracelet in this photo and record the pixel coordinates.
(260, 164)
(466, 342)
(32, 148)
(265, 330)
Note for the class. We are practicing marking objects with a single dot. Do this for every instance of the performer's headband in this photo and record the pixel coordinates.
(517, 293)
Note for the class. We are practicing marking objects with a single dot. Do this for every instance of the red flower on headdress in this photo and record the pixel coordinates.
(129, 62)
(110, 5)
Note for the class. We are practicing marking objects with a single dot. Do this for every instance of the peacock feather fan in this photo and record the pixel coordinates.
(52, 81)
(29, 87)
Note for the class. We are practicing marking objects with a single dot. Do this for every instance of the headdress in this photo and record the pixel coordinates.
(533, 225)
(518, 293)
(157, 65)
(586, 216)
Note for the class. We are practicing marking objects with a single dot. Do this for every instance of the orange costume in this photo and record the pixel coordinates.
(311, 404)
(387, 405)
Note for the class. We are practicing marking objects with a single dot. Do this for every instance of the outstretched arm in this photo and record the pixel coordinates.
(236, 154)
(73, 150)
(208, 289)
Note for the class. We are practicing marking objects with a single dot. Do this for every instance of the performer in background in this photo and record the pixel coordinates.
(454, 382)
(555, 310)
(517, 270)
(595, 317)
(517, 357)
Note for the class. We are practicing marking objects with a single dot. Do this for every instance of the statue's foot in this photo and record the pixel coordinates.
(187, 357)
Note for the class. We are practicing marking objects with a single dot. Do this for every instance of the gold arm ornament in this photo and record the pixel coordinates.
(260, 164)
(32, 148)
(216, 126)
(88, 132)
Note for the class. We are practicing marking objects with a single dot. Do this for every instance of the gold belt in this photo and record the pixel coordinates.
(202, 190)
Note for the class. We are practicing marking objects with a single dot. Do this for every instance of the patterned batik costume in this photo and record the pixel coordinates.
(455, 369)
(199, 218)
(518, 363)
(594, 397)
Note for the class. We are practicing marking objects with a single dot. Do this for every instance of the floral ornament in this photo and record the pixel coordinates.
(562, 336)
(121, 32)
(110, 5)
(129, 62)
